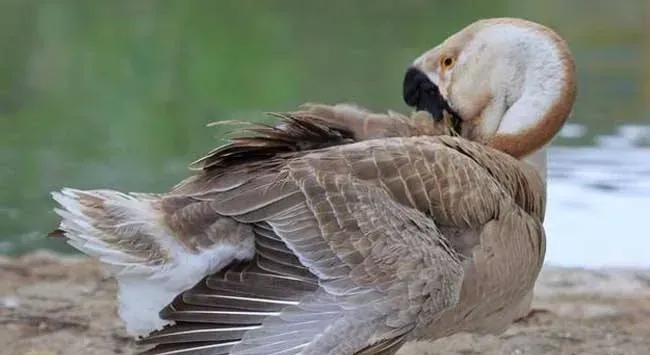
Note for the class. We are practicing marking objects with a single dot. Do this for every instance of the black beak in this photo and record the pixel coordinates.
(423, 95)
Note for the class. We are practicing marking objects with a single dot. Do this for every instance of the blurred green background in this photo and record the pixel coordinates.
(117, 93)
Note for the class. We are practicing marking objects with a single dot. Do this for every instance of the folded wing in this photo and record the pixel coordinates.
(349, 255)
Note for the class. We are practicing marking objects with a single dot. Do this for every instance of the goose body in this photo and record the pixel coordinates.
(342, 231)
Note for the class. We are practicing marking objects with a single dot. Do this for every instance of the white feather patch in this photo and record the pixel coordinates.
(140, 299)
(145, 285)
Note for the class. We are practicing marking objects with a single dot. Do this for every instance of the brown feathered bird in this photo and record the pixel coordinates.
(341, 231)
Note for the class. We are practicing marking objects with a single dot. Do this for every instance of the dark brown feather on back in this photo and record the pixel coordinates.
(315, 127)
(295, 132)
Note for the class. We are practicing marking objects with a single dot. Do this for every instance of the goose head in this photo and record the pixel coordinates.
(509, 83)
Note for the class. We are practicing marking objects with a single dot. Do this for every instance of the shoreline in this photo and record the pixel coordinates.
(56, 304)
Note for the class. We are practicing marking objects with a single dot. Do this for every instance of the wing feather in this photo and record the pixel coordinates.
(349, 251)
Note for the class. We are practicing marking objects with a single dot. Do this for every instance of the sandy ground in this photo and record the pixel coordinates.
(50, 305)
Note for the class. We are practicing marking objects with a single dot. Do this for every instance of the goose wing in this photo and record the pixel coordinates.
(349, 253)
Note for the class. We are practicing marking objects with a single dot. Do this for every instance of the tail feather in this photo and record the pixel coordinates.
(151, 262)
(119, 229)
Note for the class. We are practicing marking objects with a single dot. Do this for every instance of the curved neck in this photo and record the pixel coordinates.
(540, 105)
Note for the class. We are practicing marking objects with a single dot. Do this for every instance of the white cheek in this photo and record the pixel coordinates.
(446, 83)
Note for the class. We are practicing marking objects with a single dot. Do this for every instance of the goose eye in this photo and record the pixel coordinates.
(447, 62)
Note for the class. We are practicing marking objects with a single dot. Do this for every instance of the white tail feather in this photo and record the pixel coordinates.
(127, 233)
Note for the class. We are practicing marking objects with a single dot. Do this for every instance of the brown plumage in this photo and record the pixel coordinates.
(336, 231)
(330, 207)
(362, 218)
(316, 127)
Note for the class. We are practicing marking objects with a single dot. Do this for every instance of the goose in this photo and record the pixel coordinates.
(343, 231)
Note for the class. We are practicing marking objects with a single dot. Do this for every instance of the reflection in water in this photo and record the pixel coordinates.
(117, 95)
